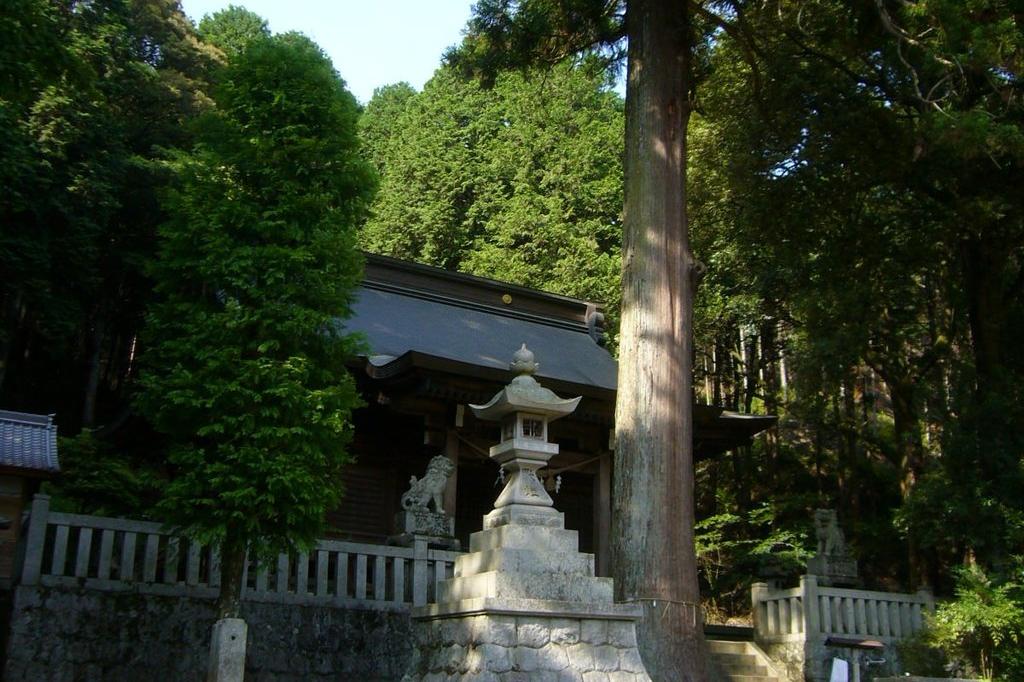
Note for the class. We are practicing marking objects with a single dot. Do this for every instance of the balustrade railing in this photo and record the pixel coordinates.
(123, 555)
(812, 610)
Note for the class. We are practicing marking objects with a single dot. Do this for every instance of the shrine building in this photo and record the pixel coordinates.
(437, 341)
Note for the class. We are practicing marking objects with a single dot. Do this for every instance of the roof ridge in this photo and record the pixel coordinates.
(27, 418)
(437, 297)
(465, 277)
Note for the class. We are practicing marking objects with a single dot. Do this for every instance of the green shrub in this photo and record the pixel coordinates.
(984, 625)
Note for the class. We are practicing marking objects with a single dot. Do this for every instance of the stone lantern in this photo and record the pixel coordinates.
(524, 602)
(524, 408)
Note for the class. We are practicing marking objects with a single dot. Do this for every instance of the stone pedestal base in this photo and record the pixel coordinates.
(425, 522)
(437, 529)
(833, 570)
(525, 605)
(500, 643)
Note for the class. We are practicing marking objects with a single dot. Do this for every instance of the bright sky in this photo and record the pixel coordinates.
(371, 42)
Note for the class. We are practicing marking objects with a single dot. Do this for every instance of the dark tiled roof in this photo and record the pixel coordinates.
(28, 441)
(397, 323)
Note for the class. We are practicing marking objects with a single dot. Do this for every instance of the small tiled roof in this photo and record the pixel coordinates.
(28, 441)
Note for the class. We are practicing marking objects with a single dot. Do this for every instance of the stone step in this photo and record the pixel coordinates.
(736, 659)
(556, 586)
(740, 662)
(722, 646)
(743, 669)
(524, 561)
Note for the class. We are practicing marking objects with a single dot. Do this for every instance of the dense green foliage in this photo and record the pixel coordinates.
(853, 194)
(519, 182)
(245, 361)
(89, 95)
(232, 29)
(381, 121)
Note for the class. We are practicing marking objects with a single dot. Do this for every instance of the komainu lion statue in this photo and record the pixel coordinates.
(831, 541)
(429, 488)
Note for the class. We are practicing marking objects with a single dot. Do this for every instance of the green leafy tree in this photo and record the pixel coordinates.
(232, 29)
(257, 264)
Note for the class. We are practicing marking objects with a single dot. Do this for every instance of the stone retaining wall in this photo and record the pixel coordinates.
(64, 634)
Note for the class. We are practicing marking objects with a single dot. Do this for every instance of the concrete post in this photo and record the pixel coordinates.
(36, 540)
(227, 651)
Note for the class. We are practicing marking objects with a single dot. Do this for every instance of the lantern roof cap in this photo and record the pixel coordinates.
(524, 394)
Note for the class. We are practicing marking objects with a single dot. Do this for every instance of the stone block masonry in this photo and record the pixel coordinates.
(531, 648)
(84, 635)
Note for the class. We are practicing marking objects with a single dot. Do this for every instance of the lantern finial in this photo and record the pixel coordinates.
(523, 361)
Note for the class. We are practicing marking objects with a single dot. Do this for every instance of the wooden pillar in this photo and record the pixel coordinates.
(451, 451)
(603, 515)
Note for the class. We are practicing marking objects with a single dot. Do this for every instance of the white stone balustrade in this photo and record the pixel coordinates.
(812, 611)
(122, 555)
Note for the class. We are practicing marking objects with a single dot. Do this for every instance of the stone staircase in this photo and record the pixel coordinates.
(741, 662)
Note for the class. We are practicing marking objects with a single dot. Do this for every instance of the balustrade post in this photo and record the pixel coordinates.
(928, 597)
(758, 594)
(35, 541)
(419, 570)
(809, 595)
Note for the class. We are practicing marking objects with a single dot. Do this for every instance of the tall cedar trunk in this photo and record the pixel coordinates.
(907, 428)
(984, 264)
(92, 377)
(653, 560)
(716, 395)
(752, 365)
(842, 474)
(232, 569)
(851, 450)
(14, 315)
(771, 392)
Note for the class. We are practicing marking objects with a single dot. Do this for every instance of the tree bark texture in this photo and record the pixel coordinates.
(14, 316)
(653, 560)
(232, 570)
